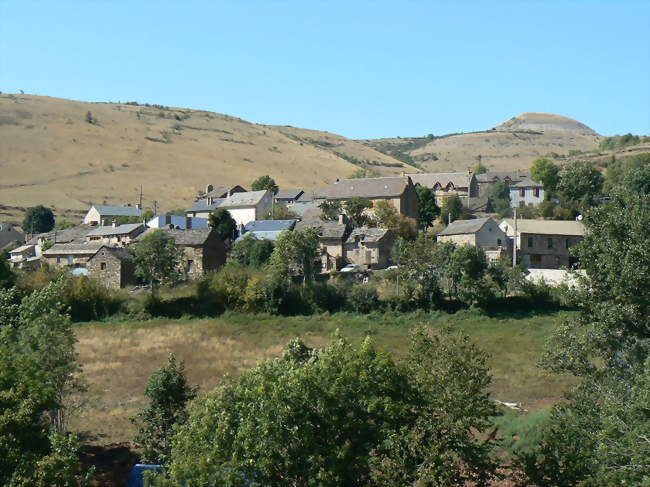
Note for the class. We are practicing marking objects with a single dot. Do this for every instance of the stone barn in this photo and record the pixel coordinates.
(113, 266)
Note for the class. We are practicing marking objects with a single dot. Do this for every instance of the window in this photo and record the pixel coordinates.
(530, 242)
(499, 242)
(102, 266)
(567, 243)
(190, 266)
(550, 243)
(522, 192)
(536, 192)
(70, 260)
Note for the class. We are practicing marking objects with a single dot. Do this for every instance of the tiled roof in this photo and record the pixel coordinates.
(386, 187)
(492, 176)
(269, 225)
(460, 227)
(72, 249)
(222, 191)
(105, 210)
(527, 183)
(108, 230)
(545, 227)
(430, 179)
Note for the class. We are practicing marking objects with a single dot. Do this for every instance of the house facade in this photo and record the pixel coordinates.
(104, 214)
(544, 244)
(399, 192)
(481, 232)
(526, 193)
(174, 221)
(244, 207)
(369, 248)
(70, 254)
(331, 236)
(112, 266)
(447, 184)
(115, 235)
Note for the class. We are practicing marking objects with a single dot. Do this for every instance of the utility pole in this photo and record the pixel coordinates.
(514, 243)
(140, 196)
(155, 207)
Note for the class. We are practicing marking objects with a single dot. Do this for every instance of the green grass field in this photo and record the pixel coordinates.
(118, 358)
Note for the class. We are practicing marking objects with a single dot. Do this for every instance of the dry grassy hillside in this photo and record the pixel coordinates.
(52, 152)
(511, 145)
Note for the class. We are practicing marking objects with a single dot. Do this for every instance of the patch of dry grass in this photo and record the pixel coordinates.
(118, 358)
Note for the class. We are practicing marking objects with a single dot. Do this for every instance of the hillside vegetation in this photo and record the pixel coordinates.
(68, 154)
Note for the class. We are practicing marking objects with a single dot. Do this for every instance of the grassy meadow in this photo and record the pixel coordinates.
(119, 357)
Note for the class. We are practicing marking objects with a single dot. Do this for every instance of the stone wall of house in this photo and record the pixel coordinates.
(540, 251)
(193, 262)
(115, 273)
(462, 239)
(62, 260)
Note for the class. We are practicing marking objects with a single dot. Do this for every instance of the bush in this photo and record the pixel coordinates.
(363, 298)
(88, 300)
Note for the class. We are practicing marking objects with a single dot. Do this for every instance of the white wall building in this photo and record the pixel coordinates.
(103, 215)
(526, 193)
(243, 207)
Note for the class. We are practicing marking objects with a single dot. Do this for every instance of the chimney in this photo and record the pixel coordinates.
(343, 219)
(209, 200)
(208, 188)
(228, 194)
(103, 222)
(138, 206)
(188, 223)
(114, 224)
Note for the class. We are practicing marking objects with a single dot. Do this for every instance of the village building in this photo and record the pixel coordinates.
(219, 192)
(244, 207)
(480, 232)
(331, 236)
(113, 266)
(487, 179)
(104, 214)
(399, 192)
(303, 204)
(287, 196)
(180, 222)
(369, 248)
(203, 250)
(526, 193)
(115, 235)
(447, 184)
(544, 244)
(266, 229)
(24, 257)
(69, 254)
(9, 236)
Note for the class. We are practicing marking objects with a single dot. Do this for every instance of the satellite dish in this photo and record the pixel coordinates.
(579, 218)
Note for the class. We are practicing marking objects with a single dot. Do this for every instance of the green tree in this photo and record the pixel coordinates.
(223, 223)
(335, 416)
(546, 172)
(265, 182)
(466, 272)
(157, 259)
(38, 219)
(168, 393)
(480, 169)
(631, 175)
(452, 209)
(428, 209)
(297, 253)
(331, 210)
(364, 173)
(499, 198)
(580, 183)
(356, 208)
(253, 252)
(419, 266)
(281, 212)
(386, 216)
(598, 438)
(7, 276)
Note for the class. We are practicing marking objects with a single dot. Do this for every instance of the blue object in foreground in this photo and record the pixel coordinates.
(136, 477)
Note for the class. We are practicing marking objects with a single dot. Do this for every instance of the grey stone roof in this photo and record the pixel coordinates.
(243, 200)
(8, 235)
(106, 210)
(386, 187)
(366, 234)
(72, 249)
(333, 230)
(544, 227)
(288, 194)
(222, 191)
(430, 179)
(306, 196)
(109, 230)
(493, 176)
(202, 205)
(72, 234)
(269, 225)
(119, 253)
(460, 227)
(194, 237)
(527, 183)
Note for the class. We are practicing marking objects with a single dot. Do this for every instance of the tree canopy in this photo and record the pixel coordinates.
(428, 209)
(265, 182)
(251, 251)
(356, 208)
(38, 219)
(297, 253)
(156, 258)
(580, 183)
(499, 198)
(452, 209)
(546, 172)
(223, 223)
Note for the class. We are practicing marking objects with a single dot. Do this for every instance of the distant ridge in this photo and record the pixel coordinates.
(544, 122)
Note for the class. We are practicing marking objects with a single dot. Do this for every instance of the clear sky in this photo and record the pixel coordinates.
(363, 69)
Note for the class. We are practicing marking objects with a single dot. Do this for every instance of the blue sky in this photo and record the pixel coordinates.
(363, 69)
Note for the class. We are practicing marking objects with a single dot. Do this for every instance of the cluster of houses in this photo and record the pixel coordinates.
(99, 246)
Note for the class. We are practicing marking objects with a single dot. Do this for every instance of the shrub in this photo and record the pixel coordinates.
(363, 298)
(87, 299)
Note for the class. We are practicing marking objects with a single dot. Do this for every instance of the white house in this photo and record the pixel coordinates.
(102, 215)
(180, 222)
(244, 207)
(526, 193)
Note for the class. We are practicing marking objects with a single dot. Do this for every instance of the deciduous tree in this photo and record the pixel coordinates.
(265, 182)
(38, 220)
(428, 209)
(223, 223)
(157, 259)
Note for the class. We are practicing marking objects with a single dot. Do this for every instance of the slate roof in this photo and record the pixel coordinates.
(527, 183)
(21, 249)
(108, 230)
(243, 200)
(386, 187)
(333, 230)
(119, 253)
(118, 210)
(160, 221)
(194, 237)
(429, 179)
(267, 229)
(306, 196)
(72, 234)
(222, 191)
(72, 249)
(202, 205)
(545, 227)
(288, 194)
(492, 176)
(460, 227)
(366, 234)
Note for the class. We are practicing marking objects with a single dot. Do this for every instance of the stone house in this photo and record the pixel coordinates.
(76, 234)
(487, 179)
(446, 184)
(332, 237)
(115, 235)
(369, 248)
(544, 244)
(203, 250)
(288, 196)
(526, 193)
(104, 214)
(70, 254)
(113, 266)
(398, 191)
(24, 257)
(481, 232)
